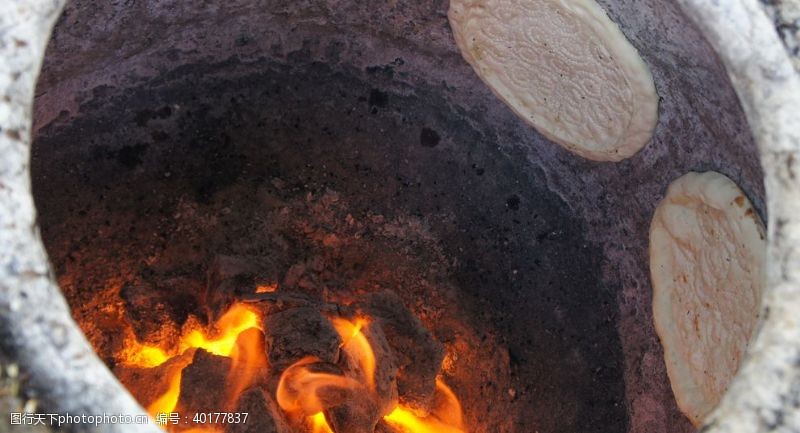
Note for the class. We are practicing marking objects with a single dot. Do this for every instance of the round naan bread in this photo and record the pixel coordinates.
(707, 252)
(565, 68)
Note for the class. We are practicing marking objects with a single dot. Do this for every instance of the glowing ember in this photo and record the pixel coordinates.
(355, 344)
(141, 355)
(166, 403)
(306, 390)
(248, 361)
(319, 424)
(222, 340)
(445, 418)
(299, 389)
(267, 288)
(235, 321)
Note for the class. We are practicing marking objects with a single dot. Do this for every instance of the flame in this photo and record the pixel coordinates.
(248, 360)
(319, 424)
(166, 403)
(300, 388)
(142, 355)
(235, 335)
(355, 344)
(446, 416)
(267, 288)
(302, 391)
(407, 422)
(235, 321)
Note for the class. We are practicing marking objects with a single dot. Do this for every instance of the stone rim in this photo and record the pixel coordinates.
(63, 366)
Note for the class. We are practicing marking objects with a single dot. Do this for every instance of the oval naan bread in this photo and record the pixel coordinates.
(707, 252)
(565, 68)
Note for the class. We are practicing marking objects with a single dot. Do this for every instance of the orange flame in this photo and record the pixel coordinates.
(446, 417)
(166, 403)
(248, 360)
(300, 389)
(355, 344)
(235, 321)
(267, 288)
(142, 355)
(222, 340)
(319, 424)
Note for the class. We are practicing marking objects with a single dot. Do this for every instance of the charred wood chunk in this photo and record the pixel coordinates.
(147, 384)
(264, 416)
(204, 384)
(359, 414)
(249, 365)
(419, 355)
(229, 276)
(348, 404)
(294, 334)
(301, 397)
(382, 383)
(384, 427)
(150, 314)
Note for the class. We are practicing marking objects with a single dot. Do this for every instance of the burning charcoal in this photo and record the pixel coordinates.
(249, 362)
(309, 388)
(356, 335)
(264, 416)
(299, 332)
(419, 355)
(203, 384)
(148, 384)
(293, 275)
(359, 414)
(383, 427)
(300, 395)
(149, 313)
(230, 275)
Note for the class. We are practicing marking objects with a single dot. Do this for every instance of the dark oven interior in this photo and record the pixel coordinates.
(314, 161)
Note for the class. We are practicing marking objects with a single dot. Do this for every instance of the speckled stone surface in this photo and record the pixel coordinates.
(99, 49)
(36, 328)
(785, 16)
(764, 397)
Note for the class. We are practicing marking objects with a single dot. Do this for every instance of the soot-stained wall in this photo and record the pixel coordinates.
(551, 248)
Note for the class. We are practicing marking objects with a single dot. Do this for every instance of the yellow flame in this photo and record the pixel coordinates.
(222, 342)
(142, 355)
(299, 388)
(166, 403)
(446, 417)
(267, 288)
(235, 321)
(407, 422)
(247, 361)
(319, 424)
(355, 343)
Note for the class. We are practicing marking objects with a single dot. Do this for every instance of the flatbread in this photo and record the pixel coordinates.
(565, 68)
(707, 252)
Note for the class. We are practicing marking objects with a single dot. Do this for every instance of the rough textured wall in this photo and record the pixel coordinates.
(764, 395)
(36, 329)
(100, 48)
